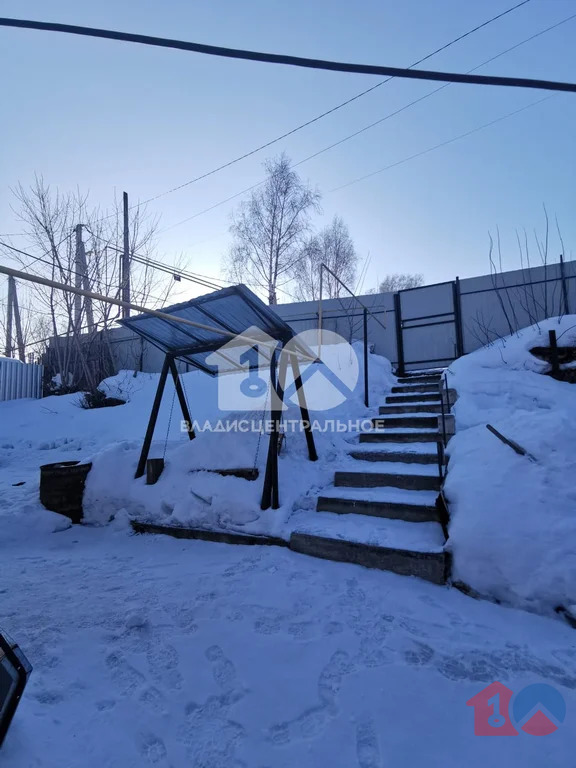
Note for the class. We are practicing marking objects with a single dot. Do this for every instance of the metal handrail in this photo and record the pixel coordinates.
(441, 444)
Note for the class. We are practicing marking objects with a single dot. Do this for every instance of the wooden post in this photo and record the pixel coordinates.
(83, 268)
(153, 418)
(554, 352)
(9, 315)
(17, 322)
(182, 398)
(125, 272)
(78, 280)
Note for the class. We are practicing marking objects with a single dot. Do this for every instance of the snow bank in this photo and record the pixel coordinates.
(513, 528)
(56, 428)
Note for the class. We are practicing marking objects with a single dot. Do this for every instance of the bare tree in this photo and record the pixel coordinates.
(270, 228)
(333, 247)
(400, 281)
(80, 347)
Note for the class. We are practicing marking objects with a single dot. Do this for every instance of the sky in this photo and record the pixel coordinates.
(106, 116)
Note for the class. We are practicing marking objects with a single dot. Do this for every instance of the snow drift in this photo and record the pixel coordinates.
(513, 528)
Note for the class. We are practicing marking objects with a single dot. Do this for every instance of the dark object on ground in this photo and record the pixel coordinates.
(570, 616)
(22, 482)
(565, 354)
(99, 399)
(515, 447)
(15, 670)
(246, 473)
(62, 487)
(154, 468)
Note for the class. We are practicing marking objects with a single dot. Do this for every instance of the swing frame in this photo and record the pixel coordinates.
(242, 309)
(271, 487)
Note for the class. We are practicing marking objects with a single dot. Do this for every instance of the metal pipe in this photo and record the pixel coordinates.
(137, 308)
(366, 398)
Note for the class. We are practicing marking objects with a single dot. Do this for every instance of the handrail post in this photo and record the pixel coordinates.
(443, 381)
(366, 398)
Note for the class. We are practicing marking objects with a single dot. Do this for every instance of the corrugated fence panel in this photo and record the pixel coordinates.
(19, 380)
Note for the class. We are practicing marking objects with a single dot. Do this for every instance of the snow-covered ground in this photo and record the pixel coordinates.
(181, 654)
(513, 529)
(154, 651)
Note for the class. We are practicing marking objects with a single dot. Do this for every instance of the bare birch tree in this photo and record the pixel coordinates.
(80, 346)
(333, 247)
(270, 228)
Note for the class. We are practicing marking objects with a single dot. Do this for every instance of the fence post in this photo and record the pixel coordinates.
(366, 399)
(458, 317)
(564, 287)
(554, 352)
(399, 340)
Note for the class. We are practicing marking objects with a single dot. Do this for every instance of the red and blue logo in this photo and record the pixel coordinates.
(538, 710)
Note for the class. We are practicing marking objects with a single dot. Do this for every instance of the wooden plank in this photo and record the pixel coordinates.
(216, 536)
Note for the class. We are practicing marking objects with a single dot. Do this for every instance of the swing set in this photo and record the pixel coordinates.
(229, 312)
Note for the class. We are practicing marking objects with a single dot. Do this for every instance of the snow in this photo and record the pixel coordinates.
(513, 527)
(374, 531)
(151, 651)
(393, 495)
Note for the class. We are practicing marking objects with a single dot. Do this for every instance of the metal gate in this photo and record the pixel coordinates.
(428, 326)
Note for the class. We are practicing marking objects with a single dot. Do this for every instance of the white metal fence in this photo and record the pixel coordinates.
(18, 380)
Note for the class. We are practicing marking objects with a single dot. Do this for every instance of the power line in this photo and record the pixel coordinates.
(371, 125)
(431, 93)
(68, 270)
(333, 109)
(295, 61)
(443, 143)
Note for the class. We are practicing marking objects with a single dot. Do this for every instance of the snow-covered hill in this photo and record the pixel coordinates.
(513, 529)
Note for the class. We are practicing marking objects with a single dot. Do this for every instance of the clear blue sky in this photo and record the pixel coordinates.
(109, 116)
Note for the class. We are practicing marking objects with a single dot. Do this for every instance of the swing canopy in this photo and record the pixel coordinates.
(230, 311)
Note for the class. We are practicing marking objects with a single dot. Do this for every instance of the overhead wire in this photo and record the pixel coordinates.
(330, 111)
(365, 128)
(294, 61)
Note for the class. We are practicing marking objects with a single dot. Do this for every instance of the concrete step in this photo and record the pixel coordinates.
(410, 388)
(390, 503)
(378, 436)
(410, 408)
(409, 480)
(404, 457)
(423, 379)
(390, 545)
(405, 422)
(415, 398)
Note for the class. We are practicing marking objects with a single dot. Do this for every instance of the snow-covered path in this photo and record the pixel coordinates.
(154, 651)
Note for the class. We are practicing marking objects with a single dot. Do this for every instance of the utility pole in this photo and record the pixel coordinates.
(125, 270)
(78, 279)
(8, 349)
(17, 322)
(81, 280)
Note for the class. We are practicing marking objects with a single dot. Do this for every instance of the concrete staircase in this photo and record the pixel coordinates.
(383, 510)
